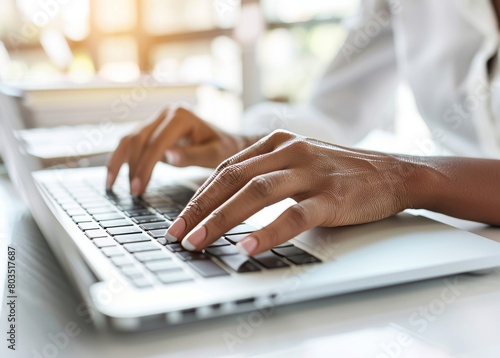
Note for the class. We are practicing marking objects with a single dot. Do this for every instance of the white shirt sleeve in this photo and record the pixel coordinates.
(356, 93)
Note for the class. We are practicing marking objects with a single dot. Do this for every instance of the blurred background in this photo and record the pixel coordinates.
(83, 65)
(244, 49)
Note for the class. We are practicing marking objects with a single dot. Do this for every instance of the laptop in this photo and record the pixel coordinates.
(112, 248)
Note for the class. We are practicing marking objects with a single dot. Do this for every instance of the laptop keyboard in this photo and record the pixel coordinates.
(130, 233)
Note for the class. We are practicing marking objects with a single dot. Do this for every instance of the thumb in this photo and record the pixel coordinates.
(205, 155)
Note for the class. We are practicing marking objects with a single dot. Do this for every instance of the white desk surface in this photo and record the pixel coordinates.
(365, 324)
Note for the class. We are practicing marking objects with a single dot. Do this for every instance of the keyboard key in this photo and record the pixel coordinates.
(303, 259)
(147, 219)
(129, 207)
(269, 260)
(241, 229)
(222, 250)
(172, 215)
(141, 282)
(95, 205)
(88, 197)
(219, 242)
(156, 226)
(234, 239)
(108, 216)
(163, 265)
(89, 226)
(104, 242)
(175, 247)
(72, 206)
(101, 210)
(126, 200)
(76, 211)
(289, 251)
(81, 218)
(182, 200)
(174, 277)
(112, 251)
(159, 202)
(125, 239)
(140, 212)
(239, 263)
(121, 260)
(115, 223)
(167, 209)
(123, 230)
(158, 233)
(141, 246)
(285, 244)
(207, 268)
(146, 256)
(92, 234)
(161, 241)
(190, 256)
(131, 271)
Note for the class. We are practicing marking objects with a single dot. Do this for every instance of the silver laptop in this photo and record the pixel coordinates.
(131, 279)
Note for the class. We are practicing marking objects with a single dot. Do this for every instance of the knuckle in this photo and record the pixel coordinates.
(232, 175)
(298, 217)
(194, 209)
(262, 186)
(226, 163)
(124, 141)
(300, 146)
(271, 235)
(136, 139)
(281, 135)
(219, 218)
(179, 112)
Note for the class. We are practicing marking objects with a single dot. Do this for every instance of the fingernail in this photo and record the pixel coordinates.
(109, 181)
(247, 245)
(195, 239)
(170, 238)
(135, 186)
(176, 229)
(172, 157)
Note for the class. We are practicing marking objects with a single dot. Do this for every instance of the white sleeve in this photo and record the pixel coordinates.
(356, 93)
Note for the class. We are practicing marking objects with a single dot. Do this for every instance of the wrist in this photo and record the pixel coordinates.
(420, 182)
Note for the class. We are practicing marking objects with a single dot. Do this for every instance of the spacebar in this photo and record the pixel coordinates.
(207, 268)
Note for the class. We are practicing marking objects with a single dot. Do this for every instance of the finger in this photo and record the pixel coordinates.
(139, 141)
(261, 147)
(295, 220)
(192, 155)
(228, 182)
(260, 192)
(115, 162)
(174, 129)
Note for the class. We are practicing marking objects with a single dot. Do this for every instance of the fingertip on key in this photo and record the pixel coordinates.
(248, 245)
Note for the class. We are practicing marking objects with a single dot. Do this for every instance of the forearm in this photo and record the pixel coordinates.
(465, 188)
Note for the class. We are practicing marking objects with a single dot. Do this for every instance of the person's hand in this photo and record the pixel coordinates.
(332, 185)
(176, 136)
